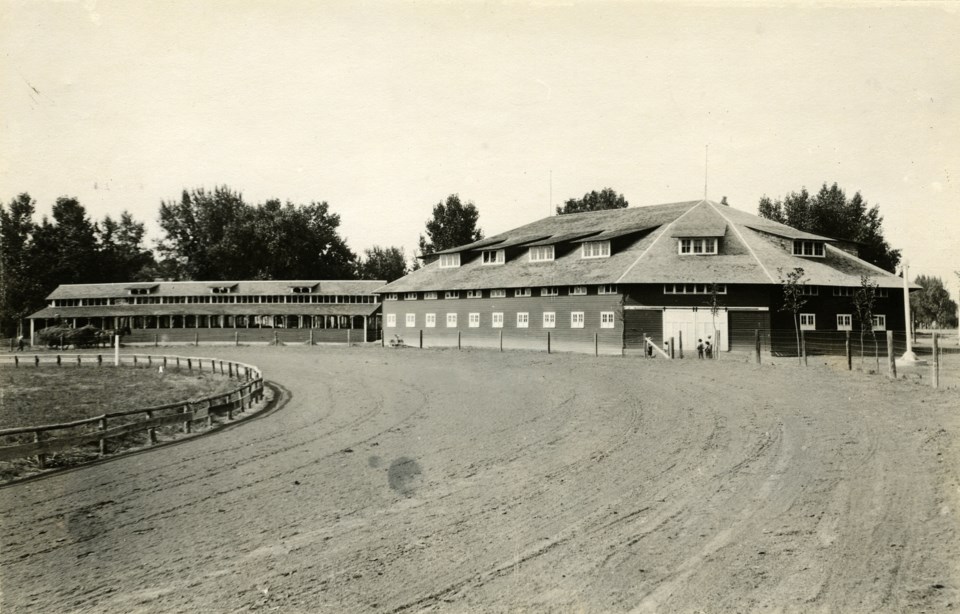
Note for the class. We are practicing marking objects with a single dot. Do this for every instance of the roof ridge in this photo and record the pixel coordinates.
(744, 241)
(663, 231)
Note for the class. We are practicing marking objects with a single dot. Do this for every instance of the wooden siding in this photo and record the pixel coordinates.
(742, 327)
(640, 322)
(562, 337)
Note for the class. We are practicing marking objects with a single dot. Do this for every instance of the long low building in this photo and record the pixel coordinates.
(607, 279)
(179, 310)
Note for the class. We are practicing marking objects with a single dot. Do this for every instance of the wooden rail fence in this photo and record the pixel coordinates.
(116, 424)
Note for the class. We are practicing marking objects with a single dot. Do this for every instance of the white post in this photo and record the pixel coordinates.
(116, 350)
(908, 358)
(33, 341)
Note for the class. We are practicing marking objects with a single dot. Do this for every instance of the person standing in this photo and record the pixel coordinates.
(699, 348)
(708, 348)
(20, 343)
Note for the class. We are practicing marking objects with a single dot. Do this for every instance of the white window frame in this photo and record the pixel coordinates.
(411, 320)
(577, 291)
(523, 319)
(549, 319)
(844, 321)
(808, 321)
(391, 320)
(595, 249)
(497, 319)
(809, 249)
(473, 320)
(607, 289)
(451, 295)
(577, 319)
(410, 296)
(522, 293)
(449, 261)
(692, 288)
(551, 291)
(451, 320)
(541, 253)
(391, 297)
(607, 319)
(430, 320)
(474, 293)
(493, 256)
(429, 296)
(880, 322)
(498, 293)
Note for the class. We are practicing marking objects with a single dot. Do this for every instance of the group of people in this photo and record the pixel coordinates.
(704, 348)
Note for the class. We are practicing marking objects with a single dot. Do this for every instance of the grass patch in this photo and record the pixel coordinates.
(33, 397)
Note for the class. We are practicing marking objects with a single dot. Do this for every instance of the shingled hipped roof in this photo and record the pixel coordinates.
(645, 251)
(198, 288)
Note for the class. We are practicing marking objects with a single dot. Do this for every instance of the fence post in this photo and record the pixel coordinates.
(78, 360)
(164, 363)
(459, 347)
(548, 342)
(671, 349)
(41, 458)
(236, 338)
(103, 442)
(756, 344)
(803, 347)
(187, 424)
(421, 338)
(36, 361)
(151, 431)
(189, 364)
(849, 353)
(16, 362)
(196, 339)
(276, 338)
(156, 340)
(680, 336)
(229, 406)
(891, 364)
(149, 360)
(178, 362)
(936, 361)
(348, 337)
(230, 369)
(99, 360)
(501, 339)
(596, 344)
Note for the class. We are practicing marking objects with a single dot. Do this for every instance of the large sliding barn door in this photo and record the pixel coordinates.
(695, 324)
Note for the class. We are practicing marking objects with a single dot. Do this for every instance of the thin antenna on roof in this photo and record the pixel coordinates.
(550, 204)
(706, 167)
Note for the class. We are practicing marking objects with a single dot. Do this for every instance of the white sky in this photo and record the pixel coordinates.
(383, 109)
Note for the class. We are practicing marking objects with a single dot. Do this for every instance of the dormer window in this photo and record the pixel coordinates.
(301, 289)
(541, 253)
(493, 256)
(596, 249)
(449, 261)
(410, 296)
(220, 289)
(808, 248)
(391, 297)
(139, 291)
(697, 247)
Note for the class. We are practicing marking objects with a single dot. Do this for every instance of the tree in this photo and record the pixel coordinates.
(218, 236)
(715, 304)
(606, 198)
(931, 305)
(18, 287)
(122, 256)
(793, 300)
(207, 233)
(832, 214)
(387, 263)
(452, 224)
(864, 298)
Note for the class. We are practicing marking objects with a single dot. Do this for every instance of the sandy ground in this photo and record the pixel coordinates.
(405, 480)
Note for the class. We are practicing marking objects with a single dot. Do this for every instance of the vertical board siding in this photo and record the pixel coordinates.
(562, 337)
(742, 327)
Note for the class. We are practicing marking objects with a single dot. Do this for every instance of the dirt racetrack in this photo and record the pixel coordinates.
(405, 480)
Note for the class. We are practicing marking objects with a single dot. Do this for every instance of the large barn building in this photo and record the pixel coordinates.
(609, 278)
(178, 311)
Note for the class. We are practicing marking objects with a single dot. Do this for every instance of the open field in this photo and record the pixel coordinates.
(403, 481)
(32, 396)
